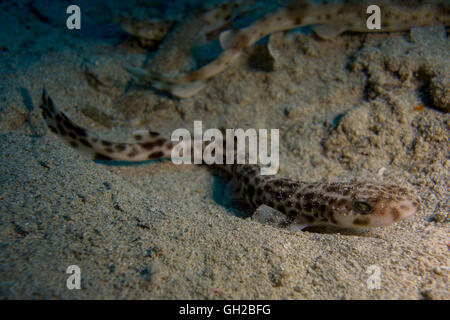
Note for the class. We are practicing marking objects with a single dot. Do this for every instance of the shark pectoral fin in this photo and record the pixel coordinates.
(328, 31)
(268, 215)
(186, 90)
(226, 38)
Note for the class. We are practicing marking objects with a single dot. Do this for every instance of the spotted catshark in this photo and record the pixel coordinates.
(327, 20)
(196, 28)
(278, 201)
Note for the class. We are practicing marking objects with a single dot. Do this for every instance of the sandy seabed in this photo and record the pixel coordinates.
(361, 107)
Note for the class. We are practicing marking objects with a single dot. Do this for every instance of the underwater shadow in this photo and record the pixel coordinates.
(231, 202)
(28, 103)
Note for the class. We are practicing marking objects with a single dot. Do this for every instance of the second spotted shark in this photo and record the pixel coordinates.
(280, 202)
(328, 20)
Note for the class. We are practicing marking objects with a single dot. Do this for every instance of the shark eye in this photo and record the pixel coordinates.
(362, 207)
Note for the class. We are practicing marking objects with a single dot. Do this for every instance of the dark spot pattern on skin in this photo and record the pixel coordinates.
(268, 188)
(282, 195)
(395, 213)
(53, 129)
(109, 150)
(61, 130)
(251, 191)
(308, 206)
(246, 169)
(80, 131)
(46, 114)
(137, 137)
(155, 155)
(73, 144)
(307, 196)
(333, 188)
(133, 153)
(404, 207)
(72, 135)
(292, 185)
(169, 145)
(147, 145)
(65, 117)
(50, 105)
(361, 221)
(332, 218)
(160, 142)
(348, 192)
(99, 156)
(292, 213)
(278, 183)
(86, 143)
(120, 147)
(285, 223)
(106, 143)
